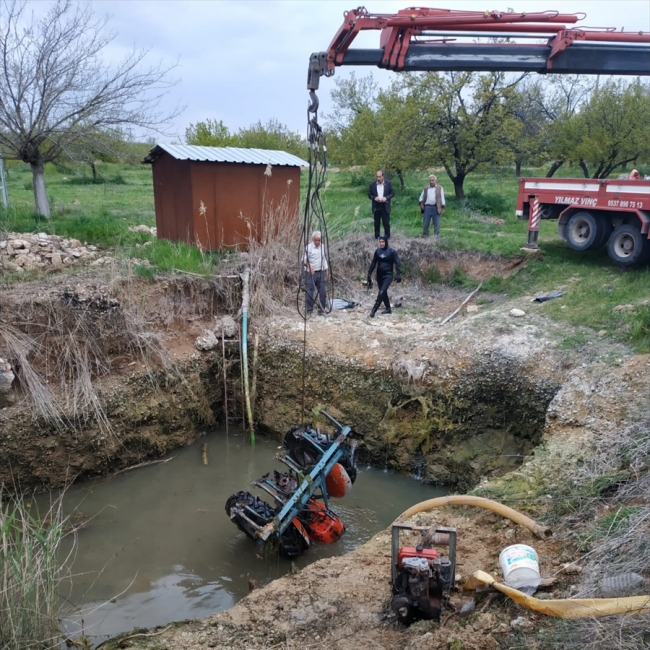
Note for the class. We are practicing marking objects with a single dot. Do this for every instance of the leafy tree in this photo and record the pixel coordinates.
(103, 146)
(530, 145)
(351, 97)
(459, 120)
(55, 89)
(210, 133)
(563, 97)
(272, 135)
(612, 129)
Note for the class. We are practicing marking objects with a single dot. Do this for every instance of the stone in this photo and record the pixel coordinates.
(517, 313)
(56, 260)
(207, 341)
(6, 377)
(472, 308)
(228, 325)
(522, 624)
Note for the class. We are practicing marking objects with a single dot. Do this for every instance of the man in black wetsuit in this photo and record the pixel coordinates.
(384, 259)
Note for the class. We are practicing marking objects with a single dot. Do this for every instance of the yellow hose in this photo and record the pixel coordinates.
(465, 500)
(573, 608)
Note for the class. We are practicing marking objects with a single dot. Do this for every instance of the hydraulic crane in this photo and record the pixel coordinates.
(421, 39)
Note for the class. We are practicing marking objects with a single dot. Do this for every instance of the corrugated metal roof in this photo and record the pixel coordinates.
(226, 154)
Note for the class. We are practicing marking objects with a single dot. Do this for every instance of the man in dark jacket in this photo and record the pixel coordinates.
(380, 193)
(384, 259)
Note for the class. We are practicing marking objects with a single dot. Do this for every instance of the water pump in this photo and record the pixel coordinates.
(422, 578)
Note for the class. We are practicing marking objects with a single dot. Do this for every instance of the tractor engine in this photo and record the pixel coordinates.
(421, 577)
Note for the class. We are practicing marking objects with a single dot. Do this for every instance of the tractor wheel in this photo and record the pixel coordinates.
(584, 230)
(628, 247)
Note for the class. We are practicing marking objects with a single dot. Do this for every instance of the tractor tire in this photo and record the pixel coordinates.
(628, 247)
(584, 230)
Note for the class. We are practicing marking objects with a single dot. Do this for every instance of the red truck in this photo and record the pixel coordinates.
(591, 213)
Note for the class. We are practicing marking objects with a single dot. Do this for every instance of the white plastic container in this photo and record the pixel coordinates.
(520, 567)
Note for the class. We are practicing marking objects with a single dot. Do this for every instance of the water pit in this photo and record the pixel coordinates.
(159, 547)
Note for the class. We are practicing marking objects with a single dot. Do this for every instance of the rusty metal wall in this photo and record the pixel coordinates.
(232, 203)
(221, 206)
(172, 192)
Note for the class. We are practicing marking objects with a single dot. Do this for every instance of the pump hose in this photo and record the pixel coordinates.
(570, 608)
(466, 500)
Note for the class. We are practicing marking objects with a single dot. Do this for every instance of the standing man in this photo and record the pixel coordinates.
(316, 268)
(380, 193)
(384, 259)
(432, 205)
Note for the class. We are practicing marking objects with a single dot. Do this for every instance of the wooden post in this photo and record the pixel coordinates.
(225, 384)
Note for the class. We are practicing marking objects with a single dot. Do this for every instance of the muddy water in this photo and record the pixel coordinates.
(159, 546)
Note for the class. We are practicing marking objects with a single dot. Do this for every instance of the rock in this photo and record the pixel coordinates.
(517, 313)
(227, 325)
(621, 308)
(208, 341)
(56, 260)
(522, 624)
(472, 308)
(6, 377)
(467, 608)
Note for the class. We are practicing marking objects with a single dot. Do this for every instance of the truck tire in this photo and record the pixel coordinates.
(628, 247)
(604, 231)
(584, 230)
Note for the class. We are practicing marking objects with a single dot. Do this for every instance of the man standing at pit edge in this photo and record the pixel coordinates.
(316, 267)
(432, 206)
(380, 193)
(384, 259)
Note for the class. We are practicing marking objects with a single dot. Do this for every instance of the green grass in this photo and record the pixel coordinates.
(30, 575)
(101, 213)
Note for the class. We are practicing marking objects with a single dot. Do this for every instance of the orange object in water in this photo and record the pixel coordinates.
(338, 482)
(322, 524)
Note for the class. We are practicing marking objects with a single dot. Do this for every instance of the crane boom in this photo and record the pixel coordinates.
(421, 39)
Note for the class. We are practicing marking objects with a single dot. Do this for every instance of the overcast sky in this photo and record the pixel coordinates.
(246, 60)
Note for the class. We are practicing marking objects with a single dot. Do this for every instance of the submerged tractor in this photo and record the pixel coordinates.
(319, 466)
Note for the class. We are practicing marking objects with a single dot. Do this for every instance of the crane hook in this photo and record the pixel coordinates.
(313, 106)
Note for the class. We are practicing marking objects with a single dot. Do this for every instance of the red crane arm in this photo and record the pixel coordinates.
(406, 45)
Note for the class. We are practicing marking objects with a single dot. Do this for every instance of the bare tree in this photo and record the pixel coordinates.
(56, 91)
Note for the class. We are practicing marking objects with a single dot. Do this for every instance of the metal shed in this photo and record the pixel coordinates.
(220, 197)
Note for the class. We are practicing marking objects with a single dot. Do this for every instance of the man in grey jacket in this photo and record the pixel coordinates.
(432, 206)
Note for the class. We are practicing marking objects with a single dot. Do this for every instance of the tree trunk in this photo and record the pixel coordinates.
(554, 167)
(40, 192)
(583, 166)
(94, 170)
(400, 175)
(458, 186)
(518, 168)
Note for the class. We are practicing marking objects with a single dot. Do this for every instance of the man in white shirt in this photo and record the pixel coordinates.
(432, 206)
(380, 193)
(316, 267)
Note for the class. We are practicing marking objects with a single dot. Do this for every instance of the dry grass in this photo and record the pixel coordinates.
(610, 522)
(62, 343)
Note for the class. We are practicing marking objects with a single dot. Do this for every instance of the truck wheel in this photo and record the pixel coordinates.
(628, 247)
(603, 231)
(582, 231)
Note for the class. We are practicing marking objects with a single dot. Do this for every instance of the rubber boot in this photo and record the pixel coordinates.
(388, 310)
(375, 307)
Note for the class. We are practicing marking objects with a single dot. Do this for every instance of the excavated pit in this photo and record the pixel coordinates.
(450, 412)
